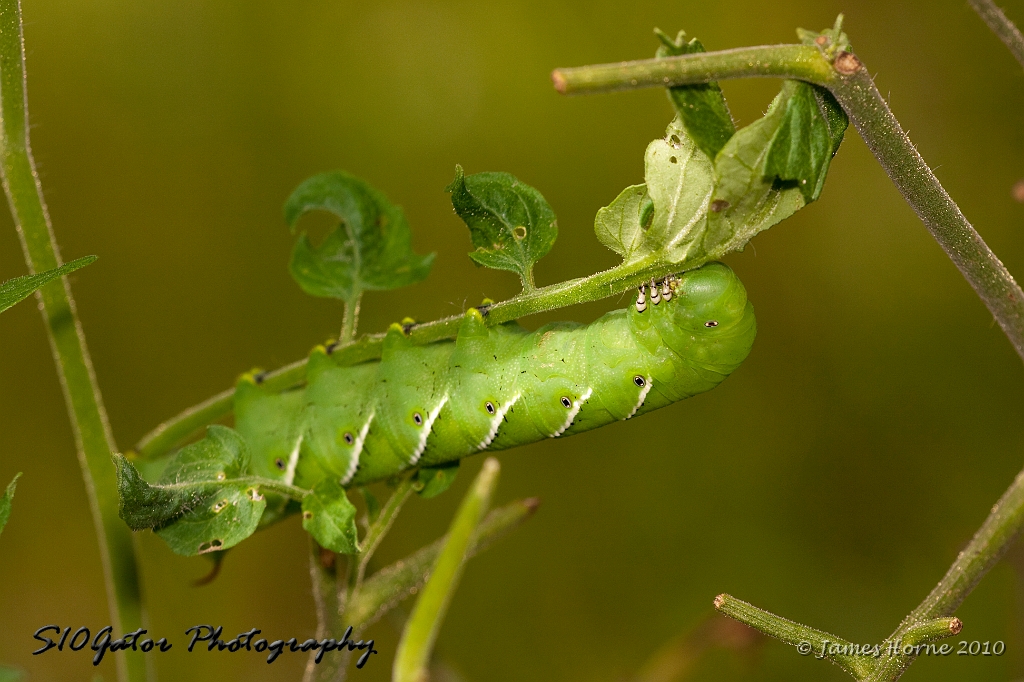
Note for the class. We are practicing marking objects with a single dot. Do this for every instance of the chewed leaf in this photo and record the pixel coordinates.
(5, 501)
(621, 225)
(14, 290)
(747, 201)
(205, 501)
(511, 224)
(808, 136)
(680, 181)
(329, 516)
(702, 107)
(370, 250)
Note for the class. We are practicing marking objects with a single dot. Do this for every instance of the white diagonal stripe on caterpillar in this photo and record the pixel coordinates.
(576, 405)
(293, 461)
(643, 396)
(428, 424)
(357, 449)
(496, 422)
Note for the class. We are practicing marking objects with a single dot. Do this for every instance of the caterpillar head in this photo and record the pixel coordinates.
(711, 301)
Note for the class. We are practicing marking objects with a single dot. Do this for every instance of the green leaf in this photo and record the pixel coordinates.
(680, 182)
(511, 224)
(808, 137)
(329, 516)
(417, 642)
(621, 225)
(14, 290)
(702, 108)
(749, 195)
(435, 480)
(386, 588)
(370, 250)
(5, 501)
(205, 501)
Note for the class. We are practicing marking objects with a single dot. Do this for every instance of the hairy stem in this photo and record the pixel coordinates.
(327, 573)
(1001, 26)
(93, 439)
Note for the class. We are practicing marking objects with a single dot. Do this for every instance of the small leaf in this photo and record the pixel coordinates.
(329, 516)
(511, 224)
(14, 290)
(621, 224)
(386, 588)
(370, 250)
(808, 136)
(6, 499)
(702, 107)
(417, 642)
(680, 182)
(436, 480)
(204, 502)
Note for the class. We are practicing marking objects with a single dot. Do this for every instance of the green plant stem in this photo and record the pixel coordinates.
(795, 634)
(1001, 26)
(93, 438)
(417, 643)
(853, 88)
(327, 573)
(801, 62)
(383, 590)
(378, 529)
(350, 321)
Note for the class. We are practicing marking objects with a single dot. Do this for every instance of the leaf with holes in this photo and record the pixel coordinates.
(205, 500)
(370, 250)
(702, 108)
(14, 290)
(5, 501)
(680, 182)
(511, 224)
(329, 516)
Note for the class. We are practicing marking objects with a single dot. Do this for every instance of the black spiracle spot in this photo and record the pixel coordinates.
(711, 323)
(489, 406)
(279, 463)
(417, 418)
(639, 381)
(349, 438)
(566, 403)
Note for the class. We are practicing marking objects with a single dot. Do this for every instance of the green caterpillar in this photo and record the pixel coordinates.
(497, 387)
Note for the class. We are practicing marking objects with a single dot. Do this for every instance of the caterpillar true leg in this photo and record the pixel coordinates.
(641, 299)
(655, 296)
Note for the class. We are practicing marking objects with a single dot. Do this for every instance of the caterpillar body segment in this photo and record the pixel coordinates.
(497, 387)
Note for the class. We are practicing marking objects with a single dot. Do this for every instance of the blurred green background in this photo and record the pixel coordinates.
(832, 479)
